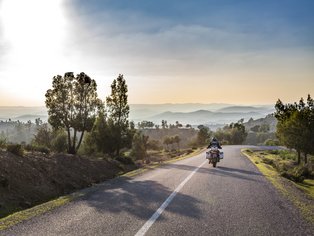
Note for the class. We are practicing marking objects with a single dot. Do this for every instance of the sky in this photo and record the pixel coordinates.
(178, 51)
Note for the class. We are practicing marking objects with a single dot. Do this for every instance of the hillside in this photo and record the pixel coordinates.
(244, 109)
(268, 120)
(204, 117)
(35, 178)
(187, 113)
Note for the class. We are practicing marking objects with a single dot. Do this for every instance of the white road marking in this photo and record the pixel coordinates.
(155, 216)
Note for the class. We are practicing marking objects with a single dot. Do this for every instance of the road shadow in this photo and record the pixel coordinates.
(219, 171)
(234, 170)
(139, 199)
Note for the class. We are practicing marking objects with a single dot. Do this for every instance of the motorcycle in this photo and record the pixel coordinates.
(214, 155)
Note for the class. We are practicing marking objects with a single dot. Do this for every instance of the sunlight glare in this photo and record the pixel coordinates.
(34, 33)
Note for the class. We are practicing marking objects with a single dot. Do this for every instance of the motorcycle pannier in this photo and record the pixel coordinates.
(208, 155)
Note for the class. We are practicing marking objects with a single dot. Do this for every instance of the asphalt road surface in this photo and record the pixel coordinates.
(188, 197)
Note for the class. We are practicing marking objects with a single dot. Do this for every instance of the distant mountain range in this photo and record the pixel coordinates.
(189, 113)
(23, 113)
(204, 117)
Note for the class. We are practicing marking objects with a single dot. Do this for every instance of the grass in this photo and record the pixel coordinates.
(23, 215)
(34, 211)
(307, 186)
(267, 169)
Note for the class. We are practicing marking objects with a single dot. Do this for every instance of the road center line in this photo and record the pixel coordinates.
(155, 216)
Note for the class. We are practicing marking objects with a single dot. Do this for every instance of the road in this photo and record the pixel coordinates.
(188, 197)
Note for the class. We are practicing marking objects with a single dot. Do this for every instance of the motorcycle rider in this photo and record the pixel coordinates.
(214, 143)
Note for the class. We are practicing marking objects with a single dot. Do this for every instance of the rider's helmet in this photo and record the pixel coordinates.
(214, 139)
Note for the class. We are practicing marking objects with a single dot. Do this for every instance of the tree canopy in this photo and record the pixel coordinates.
(72, 104)
(295, 127)
(118, 114)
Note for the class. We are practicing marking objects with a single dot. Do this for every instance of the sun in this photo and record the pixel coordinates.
(33, 34)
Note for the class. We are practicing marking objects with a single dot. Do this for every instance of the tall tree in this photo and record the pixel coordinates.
(118, 112)
(295, 127)
(72, 104)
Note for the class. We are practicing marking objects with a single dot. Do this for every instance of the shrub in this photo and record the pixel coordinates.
(273, 152)
(271, 142)
(3, 142)
(297, 174)
(16, 149)
(268, 161)
(59, 143)
(35, 148)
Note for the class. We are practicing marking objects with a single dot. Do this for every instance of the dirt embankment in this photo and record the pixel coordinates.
(36, 178)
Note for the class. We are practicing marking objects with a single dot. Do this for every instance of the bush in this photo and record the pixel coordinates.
(297, 174)
(16, 149)
(271, 142)
(3, 142)
(268, 161)
(59, 143)
(275, 152)
(35, 148)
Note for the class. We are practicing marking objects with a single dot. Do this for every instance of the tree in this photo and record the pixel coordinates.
(178, 124)
(38, 122)
(238, 133)
(72, 104)
(145, 124)
(232, 134)
(118, 112)
(44, 136)
(139, 146)
(295, 127)
(203, 134)
(164, 124)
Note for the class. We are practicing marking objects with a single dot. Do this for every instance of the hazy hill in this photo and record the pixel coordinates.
(268, 120)
(188, 113)
(260, 109)
(204, 117)
(140, 112)
(23, 113)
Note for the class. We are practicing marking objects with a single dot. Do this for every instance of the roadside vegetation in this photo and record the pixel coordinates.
(294, 181)
(295, 130)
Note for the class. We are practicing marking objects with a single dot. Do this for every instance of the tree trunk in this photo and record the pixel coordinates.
(299, 157)
(74, 140)
(305, 158)
(80, 141)
(69, 140)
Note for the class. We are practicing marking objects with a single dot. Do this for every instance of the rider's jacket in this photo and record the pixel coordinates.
(214, 144)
